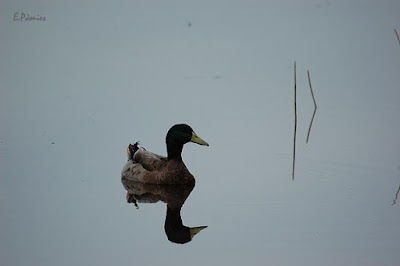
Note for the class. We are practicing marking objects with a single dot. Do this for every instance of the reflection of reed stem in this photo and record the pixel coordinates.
(397, 34)
(295, 122)
(397, 194)
(315, 105)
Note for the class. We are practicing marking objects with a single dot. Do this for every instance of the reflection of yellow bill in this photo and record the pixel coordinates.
(195, 230)
(198, 140)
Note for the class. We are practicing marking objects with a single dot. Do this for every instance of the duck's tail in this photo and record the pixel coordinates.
(130, 151)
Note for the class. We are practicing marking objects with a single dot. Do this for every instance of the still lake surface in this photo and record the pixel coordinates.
(65, 125)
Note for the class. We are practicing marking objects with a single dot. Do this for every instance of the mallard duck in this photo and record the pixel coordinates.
(147, 167)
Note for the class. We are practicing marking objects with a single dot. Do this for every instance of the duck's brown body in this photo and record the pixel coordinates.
(160, 171)
(147, 167)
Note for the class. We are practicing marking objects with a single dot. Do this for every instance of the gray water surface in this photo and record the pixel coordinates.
(96, 75)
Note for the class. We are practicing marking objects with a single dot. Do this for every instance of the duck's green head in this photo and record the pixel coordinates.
(177, 136)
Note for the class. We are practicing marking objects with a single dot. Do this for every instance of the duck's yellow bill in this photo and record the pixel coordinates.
(198, 140)
(195, 230)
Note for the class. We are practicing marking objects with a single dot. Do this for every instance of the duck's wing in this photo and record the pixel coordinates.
(150, 161)
(144, 166)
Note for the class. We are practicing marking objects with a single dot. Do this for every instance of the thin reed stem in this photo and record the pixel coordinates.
(315, 105)
(396, 196)
(295, 122)
(397, 34)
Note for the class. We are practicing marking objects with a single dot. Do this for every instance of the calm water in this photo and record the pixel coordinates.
(77, 88)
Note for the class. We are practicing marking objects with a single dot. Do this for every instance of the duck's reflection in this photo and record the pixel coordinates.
(174, 196)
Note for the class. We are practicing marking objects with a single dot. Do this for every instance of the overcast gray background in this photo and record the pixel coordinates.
(96, 75)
